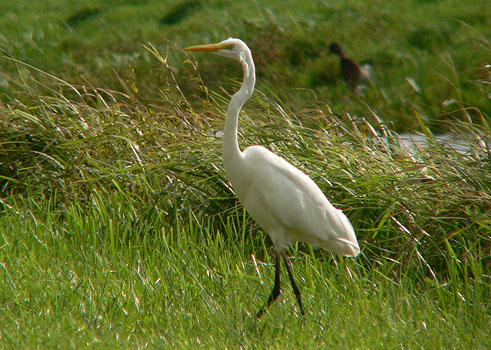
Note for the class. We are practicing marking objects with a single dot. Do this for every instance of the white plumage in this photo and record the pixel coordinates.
(284, 201)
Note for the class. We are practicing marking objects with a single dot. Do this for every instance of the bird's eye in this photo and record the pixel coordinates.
(228, 47)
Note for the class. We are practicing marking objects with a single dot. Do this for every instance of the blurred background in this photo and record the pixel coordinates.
(429, 58)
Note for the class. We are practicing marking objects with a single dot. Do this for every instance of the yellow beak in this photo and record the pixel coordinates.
(208, 47)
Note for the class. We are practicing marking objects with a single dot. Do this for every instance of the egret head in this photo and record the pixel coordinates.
(233, 48)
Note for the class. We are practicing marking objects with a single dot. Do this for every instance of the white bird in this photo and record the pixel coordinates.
(284, 201)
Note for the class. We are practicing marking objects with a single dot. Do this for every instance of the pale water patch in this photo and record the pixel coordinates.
(415, 142)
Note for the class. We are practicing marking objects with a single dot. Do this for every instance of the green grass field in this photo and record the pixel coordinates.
(118, 228)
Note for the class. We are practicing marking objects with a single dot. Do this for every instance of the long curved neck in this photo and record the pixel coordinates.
(230, 146)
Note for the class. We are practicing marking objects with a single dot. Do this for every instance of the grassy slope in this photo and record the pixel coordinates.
(440, 46)
(68, 286)
(117, 224)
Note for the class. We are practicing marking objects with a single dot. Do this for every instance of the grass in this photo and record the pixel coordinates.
(431, 59)
(118, 227)
(71, 283)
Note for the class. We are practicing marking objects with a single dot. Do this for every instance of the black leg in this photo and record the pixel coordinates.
(276, 287)
(294, 285)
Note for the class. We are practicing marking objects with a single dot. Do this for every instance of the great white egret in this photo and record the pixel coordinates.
(352, 72)
(284, 201)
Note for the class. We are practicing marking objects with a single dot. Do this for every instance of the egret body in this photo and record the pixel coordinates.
(282, 200)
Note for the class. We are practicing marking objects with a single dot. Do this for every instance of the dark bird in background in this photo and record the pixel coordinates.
(352, 72)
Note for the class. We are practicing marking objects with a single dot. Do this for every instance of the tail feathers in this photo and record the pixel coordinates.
(366, 72)
(344, 246)
(343, 240)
